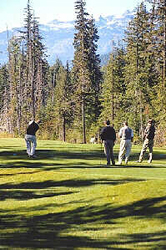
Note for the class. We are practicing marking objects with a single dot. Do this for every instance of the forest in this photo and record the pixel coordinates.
(73, 100)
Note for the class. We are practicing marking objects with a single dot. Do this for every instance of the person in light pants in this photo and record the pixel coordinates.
(30, 138)
(126, 135)
(31, 144)
(149, 134)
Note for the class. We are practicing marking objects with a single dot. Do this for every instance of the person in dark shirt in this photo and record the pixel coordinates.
(108, 136)
(30, 138)
(149, 134)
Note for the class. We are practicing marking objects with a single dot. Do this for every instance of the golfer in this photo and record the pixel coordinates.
(126, 136)
(30, 138)
(148, 141)
(108, 136)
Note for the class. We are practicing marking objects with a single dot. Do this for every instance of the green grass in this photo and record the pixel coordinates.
(68, 199)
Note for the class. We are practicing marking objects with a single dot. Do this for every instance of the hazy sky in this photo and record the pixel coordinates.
(12, 11)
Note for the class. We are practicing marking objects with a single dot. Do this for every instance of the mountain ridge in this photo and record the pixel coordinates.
(58, 36)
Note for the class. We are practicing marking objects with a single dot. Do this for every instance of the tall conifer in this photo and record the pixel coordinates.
(86, 69)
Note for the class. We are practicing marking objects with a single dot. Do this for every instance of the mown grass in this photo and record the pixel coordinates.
(68, 199)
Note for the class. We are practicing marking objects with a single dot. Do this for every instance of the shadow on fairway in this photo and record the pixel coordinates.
(144, 164)
(21, 154)
(156, 156)
(140, 165)
(155, 240)
(20, 159)
(55, 230)
(34, 190)
(26, 195)
(44, 154)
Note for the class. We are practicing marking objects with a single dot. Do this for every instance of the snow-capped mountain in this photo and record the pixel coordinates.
(58, 37)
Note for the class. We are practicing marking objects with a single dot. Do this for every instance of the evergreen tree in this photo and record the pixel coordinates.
(80, 64)
(139, 69)
(27, 81)
(4, 97)
(63, 104)
(40, 72)
(53, 71)
(159, 33)
(36, 64)
(86, 69)
(15, 90)
(95, 73)
(113, 89)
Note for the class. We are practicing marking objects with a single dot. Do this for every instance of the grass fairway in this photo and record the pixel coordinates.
(68, 199)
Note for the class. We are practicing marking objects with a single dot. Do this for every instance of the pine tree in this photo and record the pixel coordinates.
(160, 53)
(4, 97)
(27, 81)
(63, 104)
(139, 68)
(113, 89)
(36, 64)
(53, 71)
(95, 73)
(29, 85)
(80, 63)
(86, 69)
(14, 113)
(40, 66)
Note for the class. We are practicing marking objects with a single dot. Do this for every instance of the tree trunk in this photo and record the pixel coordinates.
(83, 120)
(164, 56)
(64, 128)
(113, 109)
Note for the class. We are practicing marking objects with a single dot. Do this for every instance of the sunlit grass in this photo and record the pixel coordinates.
(68, 199)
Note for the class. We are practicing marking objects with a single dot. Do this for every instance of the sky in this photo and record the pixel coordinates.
(12, 11)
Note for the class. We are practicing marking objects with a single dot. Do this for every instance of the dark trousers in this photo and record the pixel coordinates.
(108, 150)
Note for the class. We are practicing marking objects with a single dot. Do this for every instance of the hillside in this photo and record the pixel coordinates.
(58, 37)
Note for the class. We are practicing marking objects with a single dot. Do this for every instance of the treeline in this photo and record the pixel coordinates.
(73, 100)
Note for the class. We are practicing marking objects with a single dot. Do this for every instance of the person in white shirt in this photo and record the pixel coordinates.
(126, 135)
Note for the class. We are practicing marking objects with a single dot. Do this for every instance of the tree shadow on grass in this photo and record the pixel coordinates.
(139, 165)
(20, 159)
(47, 154)
(21, 154)
(159, 155)
(61, 230)
(153, 241)
(133, 161)
(26, 195)
(34, 190)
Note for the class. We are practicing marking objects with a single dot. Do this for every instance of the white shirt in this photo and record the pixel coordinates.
(124, 133)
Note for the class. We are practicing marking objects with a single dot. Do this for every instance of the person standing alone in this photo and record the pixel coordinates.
(126, 136)
(108, 136)
(30, 137)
